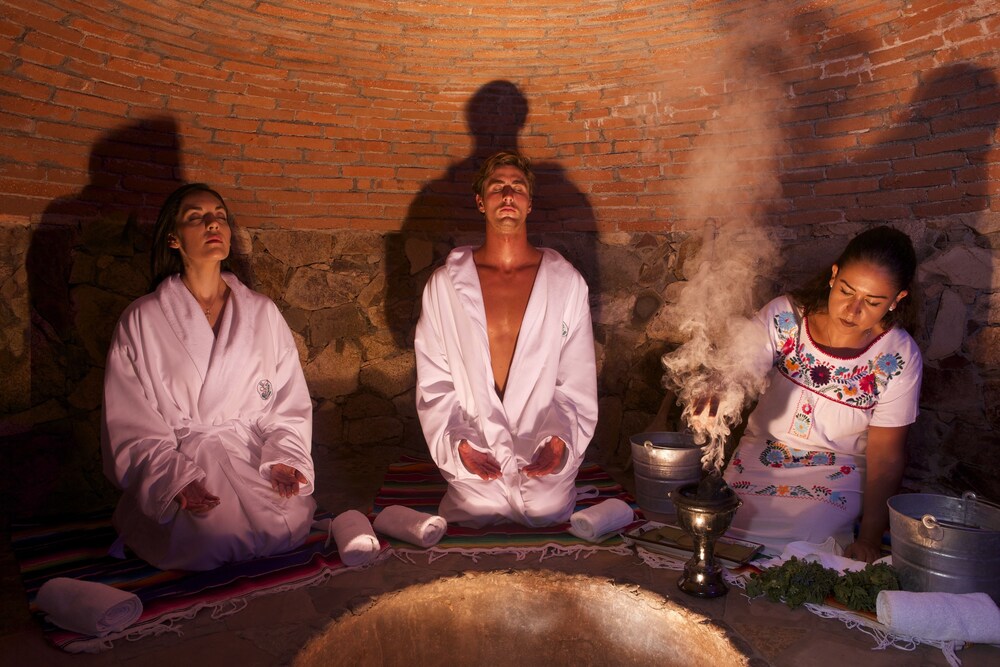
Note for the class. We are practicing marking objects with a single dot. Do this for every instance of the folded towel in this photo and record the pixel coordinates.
(87, 607)
(968, 617)
(356, 541)
(828, 554)
(594, 524)
(409, 525)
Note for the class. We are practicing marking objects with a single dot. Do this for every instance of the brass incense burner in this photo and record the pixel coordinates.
(704, 511)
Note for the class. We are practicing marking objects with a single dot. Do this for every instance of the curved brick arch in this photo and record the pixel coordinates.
(317, 115)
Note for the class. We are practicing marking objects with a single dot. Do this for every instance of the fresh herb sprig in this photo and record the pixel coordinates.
(797, 581)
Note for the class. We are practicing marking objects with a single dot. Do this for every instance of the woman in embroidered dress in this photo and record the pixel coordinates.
(207, 418)
(826, 441)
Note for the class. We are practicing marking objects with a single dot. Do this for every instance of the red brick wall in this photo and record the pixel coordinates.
(334, 115)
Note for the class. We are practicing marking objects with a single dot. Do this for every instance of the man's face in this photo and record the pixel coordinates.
(506, 200)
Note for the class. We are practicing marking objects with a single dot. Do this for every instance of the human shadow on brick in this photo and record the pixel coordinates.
(87, 259)
(443, 214)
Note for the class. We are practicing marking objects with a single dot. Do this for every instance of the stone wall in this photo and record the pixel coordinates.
(344, 136)
(352, 312)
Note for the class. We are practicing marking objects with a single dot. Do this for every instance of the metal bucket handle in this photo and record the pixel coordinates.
(931, 529)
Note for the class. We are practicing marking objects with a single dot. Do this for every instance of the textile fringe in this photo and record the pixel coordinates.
(221, 609)
(519, 553)
(883, 638)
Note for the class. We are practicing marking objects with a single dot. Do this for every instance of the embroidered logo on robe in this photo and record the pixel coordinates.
(858, 385)
(264, 389)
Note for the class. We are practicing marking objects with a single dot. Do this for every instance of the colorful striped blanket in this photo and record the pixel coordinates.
(418, 484)
(79, 549)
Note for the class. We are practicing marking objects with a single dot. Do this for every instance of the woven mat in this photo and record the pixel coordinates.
(417, 483)
(78, 548)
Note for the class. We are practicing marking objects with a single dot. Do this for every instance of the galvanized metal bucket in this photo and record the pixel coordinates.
(663, 461)
(946, 544)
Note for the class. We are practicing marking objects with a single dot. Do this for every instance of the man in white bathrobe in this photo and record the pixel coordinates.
(506, 378)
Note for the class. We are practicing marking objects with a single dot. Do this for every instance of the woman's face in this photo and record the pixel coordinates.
(860, 296)
(201, 231)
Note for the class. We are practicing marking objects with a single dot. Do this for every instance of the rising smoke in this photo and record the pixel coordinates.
(733, 182)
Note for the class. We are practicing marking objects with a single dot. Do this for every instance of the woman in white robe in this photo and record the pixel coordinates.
(826, 442)
(207, 417)
(552, 391)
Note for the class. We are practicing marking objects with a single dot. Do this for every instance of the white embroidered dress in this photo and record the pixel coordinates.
(551, 391)
(799, 467)
(181, 404)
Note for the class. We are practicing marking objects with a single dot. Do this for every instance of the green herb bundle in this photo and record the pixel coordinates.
(797, 581)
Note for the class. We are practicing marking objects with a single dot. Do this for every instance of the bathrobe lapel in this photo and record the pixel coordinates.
(529, 357)
(229, 354)
(188, 322)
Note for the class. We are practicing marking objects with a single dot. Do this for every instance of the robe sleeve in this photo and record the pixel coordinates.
(139, 448)
(572, 415)
(285, 427)
(443, 420)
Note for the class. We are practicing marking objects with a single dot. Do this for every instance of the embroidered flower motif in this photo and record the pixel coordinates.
(785, 321)
(819, 374)
(887, 364)
(821, 458)
(807, 408)
(858, 385)
(565, 330)
(788, 346)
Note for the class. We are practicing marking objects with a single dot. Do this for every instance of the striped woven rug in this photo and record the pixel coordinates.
(416, 483)
(78, 548)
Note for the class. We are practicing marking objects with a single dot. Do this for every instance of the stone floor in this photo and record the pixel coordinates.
(273, 629)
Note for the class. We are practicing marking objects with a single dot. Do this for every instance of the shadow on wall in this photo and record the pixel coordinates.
(443, 214)
(87, 260)
(926, 175)
(957, 443)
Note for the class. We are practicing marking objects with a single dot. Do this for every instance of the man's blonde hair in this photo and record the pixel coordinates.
(503, 159)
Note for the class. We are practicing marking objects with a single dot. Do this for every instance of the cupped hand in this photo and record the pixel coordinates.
(477, 462)
(196, 499)
(546, 459)
(286, 480)
(864, 551)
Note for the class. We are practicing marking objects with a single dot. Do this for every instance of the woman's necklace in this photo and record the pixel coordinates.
(206, 308)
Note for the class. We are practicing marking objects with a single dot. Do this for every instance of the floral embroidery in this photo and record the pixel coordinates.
(737, 463)
(816, 492)
(779, 455)
(859, 385)
(802, 420)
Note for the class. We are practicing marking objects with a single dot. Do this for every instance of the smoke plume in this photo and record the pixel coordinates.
(732, 186)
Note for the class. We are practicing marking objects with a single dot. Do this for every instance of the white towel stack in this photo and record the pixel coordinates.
(594, 524)
(409, 525)
(967, 617)
(356, 541)
(88, 607)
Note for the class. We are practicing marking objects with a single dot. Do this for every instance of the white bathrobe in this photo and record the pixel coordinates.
(551, 391)
(182, 405)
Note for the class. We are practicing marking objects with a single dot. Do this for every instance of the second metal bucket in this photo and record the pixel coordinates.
(662, 462)
(946, 544)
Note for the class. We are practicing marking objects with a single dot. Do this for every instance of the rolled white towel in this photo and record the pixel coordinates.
(88, 607)
(968, 617)
(356, 541)
(409, 525)
(593, 523)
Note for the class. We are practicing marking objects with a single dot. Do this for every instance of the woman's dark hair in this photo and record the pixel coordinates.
(165, 261)
(884, 247)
